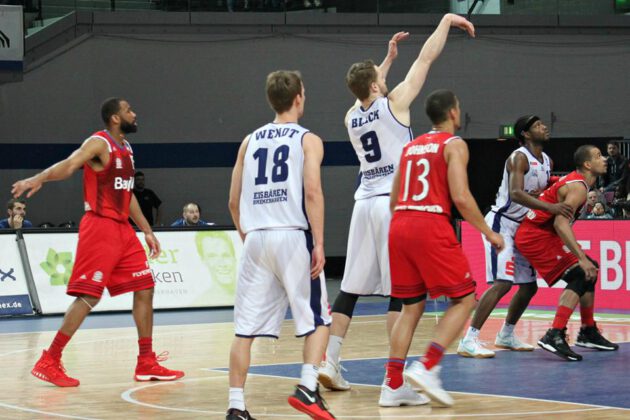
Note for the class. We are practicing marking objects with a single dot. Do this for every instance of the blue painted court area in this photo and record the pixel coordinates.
(598, 379)
(169, 317)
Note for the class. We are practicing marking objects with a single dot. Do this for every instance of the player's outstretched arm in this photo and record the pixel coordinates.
(89, 150)
(575, 196)
(517, 166)
(236, 184)
(456, 155)
(314, 198)
(403, 95)
(135, 212)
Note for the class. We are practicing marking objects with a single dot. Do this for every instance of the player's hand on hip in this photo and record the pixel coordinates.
(31, 185)
(562, 209)
(392, 50)
(317, 262)
(589, 269)
(154, 245)
(463, 24)
(496, 241)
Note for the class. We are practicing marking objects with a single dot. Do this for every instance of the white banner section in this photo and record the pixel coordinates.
(11, 34)
(14, 298)
(194, 269)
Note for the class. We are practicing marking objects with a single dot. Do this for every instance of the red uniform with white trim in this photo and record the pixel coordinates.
(538, 241)
(424, 253)
(109, 253)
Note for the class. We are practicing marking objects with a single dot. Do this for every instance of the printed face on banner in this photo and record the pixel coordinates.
(217, 253)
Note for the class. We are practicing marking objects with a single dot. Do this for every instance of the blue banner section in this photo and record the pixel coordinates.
(158, 155)
(15, 305)
(11, 65)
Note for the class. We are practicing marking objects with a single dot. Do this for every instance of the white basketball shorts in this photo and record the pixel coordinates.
(508, 264)
(367, 258)
(275, 274)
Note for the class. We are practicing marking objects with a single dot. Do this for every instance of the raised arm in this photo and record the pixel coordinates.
(314, 198)
(456, 155)
(403, 95)
(573, 194)
(236, 186)
(517, 167)
(392, 51)
(91, 149)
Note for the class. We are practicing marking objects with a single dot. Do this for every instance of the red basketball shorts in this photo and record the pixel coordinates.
(109, 255)
(425, 256)
(545, 251)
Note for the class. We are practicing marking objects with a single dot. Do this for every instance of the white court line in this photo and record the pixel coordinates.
(48, 413)
(127, 396)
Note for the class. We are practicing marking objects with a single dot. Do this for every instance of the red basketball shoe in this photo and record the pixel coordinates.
(51, 370)
(148, 369)
(310, 403)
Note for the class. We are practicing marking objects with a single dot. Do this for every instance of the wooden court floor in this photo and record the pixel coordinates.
(104, 359)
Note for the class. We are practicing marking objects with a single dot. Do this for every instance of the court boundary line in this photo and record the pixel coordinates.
(127, 396)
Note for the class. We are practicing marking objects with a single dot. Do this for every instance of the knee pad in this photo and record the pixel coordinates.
(395, 304)
(576, 281)
(344, 304)
(413, 300)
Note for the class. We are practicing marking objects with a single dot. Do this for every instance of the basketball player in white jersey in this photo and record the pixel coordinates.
(277, 205)
(526, 174)
(379, 127)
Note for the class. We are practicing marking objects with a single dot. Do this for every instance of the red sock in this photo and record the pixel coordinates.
(587, 316)
(146, 346)
(433, 355)
(56, 347)
(394, 368)
(562, 317)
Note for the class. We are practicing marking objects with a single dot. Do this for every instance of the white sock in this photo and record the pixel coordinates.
(237, 399)
(309, 376)
(334, 348)
(472, 333)
(508, 329)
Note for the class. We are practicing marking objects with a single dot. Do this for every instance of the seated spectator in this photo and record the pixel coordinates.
(191, 216)
(617, 168)
(599, 212)
(16, 209)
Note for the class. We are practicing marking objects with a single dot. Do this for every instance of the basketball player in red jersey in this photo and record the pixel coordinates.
(549, 244)
(109, 253)
(425, 255)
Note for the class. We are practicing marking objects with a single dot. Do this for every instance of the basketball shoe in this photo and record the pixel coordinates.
(148, 369)
(330, 376)
(235, 414)
(310, 403)
(591, 337)
(51, 370)
(472, 347)
(429, 381)
(404, 395)
(511, 342)
(555, 341)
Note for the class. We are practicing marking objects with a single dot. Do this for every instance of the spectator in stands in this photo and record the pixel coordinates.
(599, 212)
(191, 216)
(16, 209)
(592, 197)
(617, 168)
(147, 199)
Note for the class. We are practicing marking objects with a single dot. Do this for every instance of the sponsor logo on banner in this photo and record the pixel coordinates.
(5, 41)
(8, 274)
(58, 266)
(604, 241)
(15, 305)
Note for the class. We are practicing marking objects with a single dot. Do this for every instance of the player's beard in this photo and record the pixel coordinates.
(127, 127)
